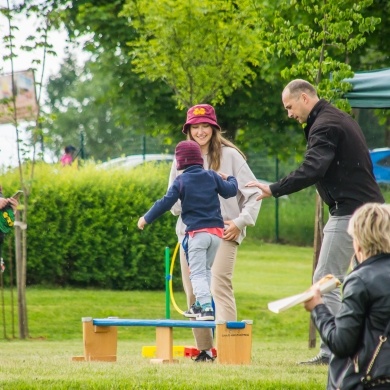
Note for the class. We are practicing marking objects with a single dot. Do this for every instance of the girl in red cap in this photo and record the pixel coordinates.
(238, 212)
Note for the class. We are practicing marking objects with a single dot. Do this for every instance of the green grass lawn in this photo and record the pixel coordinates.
(264, 272)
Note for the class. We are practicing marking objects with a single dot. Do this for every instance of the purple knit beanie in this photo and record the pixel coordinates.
(187, 153)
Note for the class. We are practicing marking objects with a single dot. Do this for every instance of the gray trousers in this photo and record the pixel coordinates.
(202, 248)
(221, 288)
(335, 257)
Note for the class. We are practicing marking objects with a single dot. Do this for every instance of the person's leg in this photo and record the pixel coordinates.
(335, 257)
(201, 252)
(215, 242)
(221, 281)
(203, 337)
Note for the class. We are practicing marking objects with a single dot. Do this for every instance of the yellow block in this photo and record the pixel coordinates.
(150, 351)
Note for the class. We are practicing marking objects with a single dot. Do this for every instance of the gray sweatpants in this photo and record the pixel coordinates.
(335, 257)
(221, 287)
(202, 248)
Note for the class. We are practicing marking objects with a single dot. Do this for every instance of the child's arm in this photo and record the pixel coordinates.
(227, 185)
(161, 206)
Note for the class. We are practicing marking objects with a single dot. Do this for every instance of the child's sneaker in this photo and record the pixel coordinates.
(204, 357)
(206, 314)
(193, 311)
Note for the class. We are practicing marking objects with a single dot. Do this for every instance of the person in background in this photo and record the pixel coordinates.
(7, 202)
(68, 156)
(8, 208)
(198, 191)
(238, 212)
(353, 333)
(338, 163)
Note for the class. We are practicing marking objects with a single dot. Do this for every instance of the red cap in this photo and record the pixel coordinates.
(201, 113)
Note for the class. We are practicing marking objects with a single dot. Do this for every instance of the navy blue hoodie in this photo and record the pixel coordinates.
(198, 190)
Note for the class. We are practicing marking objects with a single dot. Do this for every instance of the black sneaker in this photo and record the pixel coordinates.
(318, 360)
(206, 314)
(203, 357)
(193, 311)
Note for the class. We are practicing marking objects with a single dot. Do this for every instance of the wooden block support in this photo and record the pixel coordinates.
(164, 346)
(100, 342)
(234, 342)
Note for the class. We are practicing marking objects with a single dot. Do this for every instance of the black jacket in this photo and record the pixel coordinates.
(337, 161)
(363, 316)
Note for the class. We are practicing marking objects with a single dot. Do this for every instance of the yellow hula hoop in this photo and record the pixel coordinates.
(170, 279)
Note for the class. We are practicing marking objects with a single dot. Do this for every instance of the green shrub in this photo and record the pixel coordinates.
(82, 227)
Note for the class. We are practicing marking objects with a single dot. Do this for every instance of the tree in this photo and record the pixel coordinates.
(84, 105)
(202, 50)
(374, 55)
(25, 163)
(141, 106)
(320, 52)
(252, 114)
(321, 49)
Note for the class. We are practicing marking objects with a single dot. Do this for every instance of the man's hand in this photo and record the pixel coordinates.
(266, 192)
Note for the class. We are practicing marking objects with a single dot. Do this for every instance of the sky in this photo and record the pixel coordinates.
(8, 146)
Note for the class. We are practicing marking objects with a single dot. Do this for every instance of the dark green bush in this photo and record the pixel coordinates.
(82, 228)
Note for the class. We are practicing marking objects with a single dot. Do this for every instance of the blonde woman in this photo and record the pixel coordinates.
(238, 212)
(353, 334)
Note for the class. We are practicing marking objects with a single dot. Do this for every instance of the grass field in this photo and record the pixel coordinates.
(264, 272)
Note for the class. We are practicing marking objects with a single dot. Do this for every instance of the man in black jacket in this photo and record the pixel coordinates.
(338, 163)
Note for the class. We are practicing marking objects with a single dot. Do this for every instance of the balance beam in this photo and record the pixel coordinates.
(234, 339)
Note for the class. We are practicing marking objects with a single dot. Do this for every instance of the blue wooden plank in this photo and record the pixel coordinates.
(155, 323)
(164, 323)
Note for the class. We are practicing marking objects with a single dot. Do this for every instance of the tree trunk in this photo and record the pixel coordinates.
(21, 278)
(318, 236)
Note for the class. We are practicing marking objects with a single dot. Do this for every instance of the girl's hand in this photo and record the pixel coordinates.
(231, 232)
(316, 300)
(223, 175)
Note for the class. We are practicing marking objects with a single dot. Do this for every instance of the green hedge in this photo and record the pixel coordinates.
(82, 226)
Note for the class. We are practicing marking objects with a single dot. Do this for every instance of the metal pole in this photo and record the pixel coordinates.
(144, 147)
(2, 267)
(277, 202)
(167, 278)
(82, 151)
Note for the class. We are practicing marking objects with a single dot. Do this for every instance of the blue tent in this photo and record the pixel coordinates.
(370, 89)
